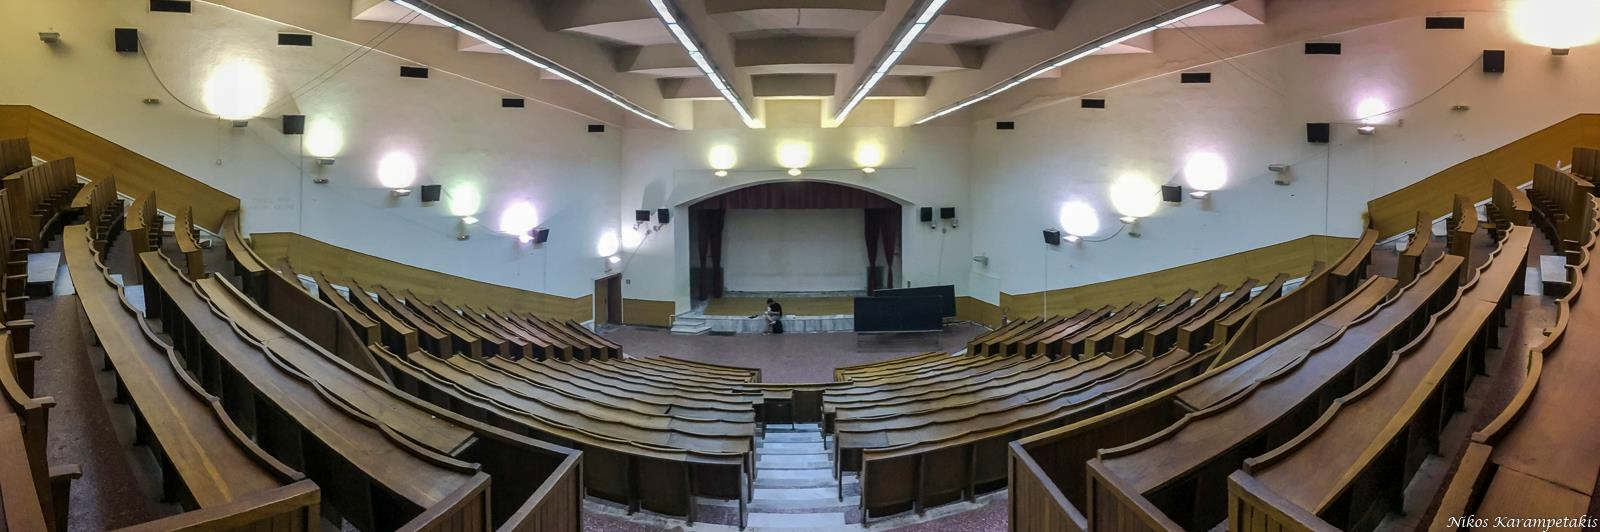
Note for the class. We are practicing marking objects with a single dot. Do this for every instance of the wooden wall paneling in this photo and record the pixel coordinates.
(1392, 213)
(1265, 262)
(648, 312)
(310, 254)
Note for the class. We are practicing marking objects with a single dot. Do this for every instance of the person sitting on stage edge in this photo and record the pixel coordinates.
(774, 317)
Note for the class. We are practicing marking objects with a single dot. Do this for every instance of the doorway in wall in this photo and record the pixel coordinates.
(608, 300)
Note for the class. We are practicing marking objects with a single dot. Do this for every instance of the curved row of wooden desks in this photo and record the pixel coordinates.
(1326, 424)
(934, 428)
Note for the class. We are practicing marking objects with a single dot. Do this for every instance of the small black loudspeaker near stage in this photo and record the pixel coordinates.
(431, 193)
(1052, 237)
(663, 216)
(294, 124)
(1172, 193)
(1494, 61)
(127, 40)
(641, 215)
(1318, 132)
(925, 214)
(540, 235)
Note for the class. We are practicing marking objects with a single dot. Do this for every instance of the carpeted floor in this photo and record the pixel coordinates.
(808, 357)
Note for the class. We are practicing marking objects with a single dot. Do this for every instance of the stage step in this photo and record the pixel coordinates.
(690, 325)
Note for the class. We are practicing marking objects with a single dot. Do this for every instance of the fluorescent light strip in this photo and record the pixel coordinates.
(929, 12)
(696, 54)
(525, 57)
(1058, 64)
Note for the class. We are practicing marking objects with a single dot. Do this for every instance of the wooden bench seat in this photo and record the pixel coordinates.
(689, 434)
(1341, 469)
(662, 480)
(749, 375)
(250, 267)
(1160, 336)
(1178, 475)
(1196, 334)
(527, 344)
(414, 450)
(33, 494)
(967, 367)
(654, 366)
(611, 350)
(207, 462)
(887, 472)
(708, 398)
(844, 373)
(1061, 453)
(1023, 340)
(1062, 342)
(1042, 341)
(495, 342)
(37, 196)
(1131, 338)
(584, 349)
(599, 395)
(1539, 457)
(1411, 259)
(430, 336)
(394, 333)
(622, 395)
(465, 340)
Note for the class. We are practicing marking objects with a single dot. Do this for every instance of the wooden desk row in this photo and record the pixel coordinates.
(1537, 457)
(1245, 331)
(1350, 467)
(209, 466)
(38, 195)
(384, 459)
(903, 436)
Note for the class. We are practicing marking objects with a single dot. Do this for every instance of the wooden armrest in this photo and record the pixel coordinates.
(61, 478)
(29, 356)
(65, 472)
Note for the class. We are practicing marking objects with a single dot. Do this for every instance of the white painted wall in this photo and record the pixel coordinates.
(454, 127)
(924, 167)
(1006, 185)
(794, 250)
(1253, 113)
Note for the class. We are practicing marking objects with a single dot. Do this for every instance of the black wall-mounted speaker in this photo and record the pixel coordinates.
(431, 193)
(1194, 77)
(1052, 237)
(513, 102)
(1318, 132)
(540, 235)
(925, 214)
(946, 213)
(1005, 124)
(413, 72)
(294, 124)
(597, 128)
(127, 40)
(641, 215)
(1172, 193)
(1093, 103)
(663, 216)
(1494, 61)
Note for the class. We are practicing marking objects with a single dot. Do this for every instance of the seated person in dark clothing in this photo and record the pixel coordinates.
(774, 317)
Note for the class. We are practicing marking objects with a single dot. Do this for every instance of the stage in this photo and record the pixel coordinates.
(802, 313)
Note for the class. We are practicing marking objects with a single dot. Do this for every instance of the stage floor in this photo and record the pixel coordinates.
(804, 306)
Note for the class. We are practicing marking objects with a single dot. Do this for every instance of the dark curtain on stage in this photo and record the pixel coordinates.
(874, 231)
(882, 223)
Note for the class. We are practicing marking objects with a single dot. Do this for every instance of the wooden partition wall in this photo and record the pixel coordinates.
(52, 138)
(309, 254)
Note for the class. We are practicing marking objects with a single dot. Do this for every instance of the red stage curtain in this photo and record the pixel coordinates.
(891, 237)
(874, 227)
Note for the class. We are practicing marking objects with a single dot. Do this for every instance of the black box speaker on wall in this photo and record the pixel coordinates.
(1005, 124)
(1172, 193)
(597, 128)
(641, 215)
(925, 214)
(294, 124)
(946, 213)
(1052, 237)
(431, 193)
(413, 72)
(663, 216)
(127, 40)
(540, 235)
(1317, 132)
(1494, 61)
